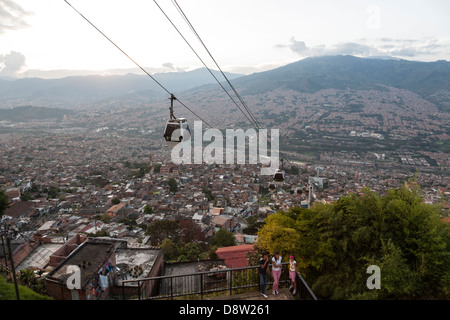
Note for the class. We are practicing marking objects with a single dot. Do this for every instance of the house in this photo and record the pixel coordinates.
(114, 210)
(65, 250)
(217, 211)
(96, 262)
(13, 194)
(138, 263)
(235, 256)
(20, 209)
(223, 221)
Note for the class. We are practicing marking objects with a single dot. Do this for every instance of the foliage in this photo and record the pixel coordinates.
(181, 251)
(208, 194)
(157, 168)
(335, 243)
(7, 292)
(3, 202)
(172, 183)
(148, 209)
(115, 201)
(190, 231)
(162, 229)
(223, 238)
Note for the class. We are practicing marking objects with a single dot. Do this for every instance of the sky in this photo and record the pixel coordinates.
(47, 38)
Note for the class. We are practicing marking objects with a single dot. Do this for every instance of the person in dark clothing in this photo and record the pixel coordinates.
(263, 265)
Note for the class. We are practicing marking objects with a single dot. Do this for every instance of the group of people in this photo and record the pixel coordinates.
(276, 272)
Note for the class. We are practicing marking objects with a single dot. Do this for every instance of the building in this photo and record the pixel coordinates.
(20, 209)
(235, 256)
(104, 264)
(114, 210)
(134, 264)
(64, 251)
(96, 261)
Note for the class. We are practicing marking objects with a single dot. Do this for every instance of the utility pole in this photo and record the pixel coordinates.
(3, 247)
(11, 260)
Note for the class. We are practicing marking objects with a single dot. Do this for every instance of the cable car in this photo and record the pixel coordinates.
(272, 186)
(177, 129)
(278, 177)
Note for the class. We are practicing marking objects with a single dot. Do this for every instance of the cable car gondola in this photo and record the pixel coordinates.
(278, 177)
(177, 129)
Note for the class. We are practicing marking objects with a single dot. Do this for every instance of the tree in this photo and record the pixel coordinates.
(163, 229)
(148, 209)
(4, 202)
(208, 194)
(172, 185)
(223, 238)
(157, 168)
(115, 201)
(170, 250)
(335, 243)
(190, 231)
(279, 234)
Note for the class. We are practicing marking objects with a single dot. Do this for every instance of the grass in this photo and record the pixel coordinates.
(8, 292)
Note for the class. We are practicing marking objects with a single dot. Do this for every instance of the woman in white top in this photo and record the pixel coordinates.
(276, 271)
(293, 273)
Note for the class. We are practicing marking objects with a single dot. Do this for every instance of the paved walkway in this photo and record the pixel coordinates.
(285, 294)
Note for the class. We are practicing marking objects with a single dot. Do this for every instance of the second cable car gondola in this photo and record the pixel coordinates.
(278, 177)
(177, 129)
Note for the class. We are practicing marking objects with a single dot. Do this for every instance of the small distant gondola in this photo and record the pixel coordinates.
(177, 129)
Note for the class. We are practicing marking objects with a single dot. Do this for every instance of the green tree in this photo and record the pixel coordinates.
(148, 209)
(170, 250)
(173, 186)
(163, 229)
(157, 168)
(4, 202)
(115, 201)
(223, 238)
(208, 194)
(335, 243)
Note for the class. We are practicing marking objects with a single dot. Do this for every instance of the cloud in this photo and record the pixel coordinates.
(12, 16)
(11, 64)
(172, 67)
(365, 48)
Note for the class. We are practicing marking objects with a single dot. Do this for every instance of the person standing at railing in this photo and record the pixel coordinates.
(263, 266)
(293, 273)
(276, 271)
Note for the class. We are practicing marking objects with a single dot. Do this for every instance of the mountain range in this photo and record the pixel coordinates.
(69, 91)
(431, 80)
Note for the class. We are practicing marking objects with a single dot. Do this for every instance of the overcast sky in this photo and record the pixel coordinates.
(244, 36)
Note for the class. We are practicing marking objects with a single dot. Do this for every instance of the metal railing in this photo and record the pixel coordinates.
(199, 285)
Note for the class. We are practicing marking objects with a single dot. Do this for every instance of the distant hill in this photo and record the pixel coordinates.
(88, 89)
(341, 72)
(429, 79)
(25, 113)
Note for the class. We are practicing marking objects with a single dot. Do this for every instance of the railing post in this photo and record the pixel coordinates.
(123, 291)
(139, 289)
(201, 286)
(231, 283)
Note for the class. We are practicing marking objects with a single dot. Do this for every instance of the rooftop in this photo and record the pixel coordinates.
(90, 254)
(39, 257)
(141, 258)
